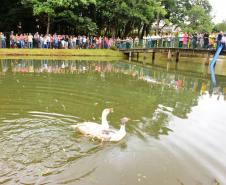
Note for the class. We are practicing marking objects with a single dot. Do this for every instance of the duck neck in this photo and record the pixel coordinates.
(104, 121)
(122, 128)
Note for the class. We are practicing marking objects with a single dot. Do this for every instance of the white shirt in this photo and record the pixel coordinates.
(223, 39)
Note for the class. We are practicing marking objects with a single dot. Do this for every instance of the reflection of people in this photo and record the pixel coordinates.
(195, 87)
(203, 88)
(218, 92)
(179, 84)
(224, 93)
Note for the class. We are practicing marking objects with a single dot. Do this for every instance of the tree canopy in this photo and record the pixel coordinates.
(104, 17)
(220, 26)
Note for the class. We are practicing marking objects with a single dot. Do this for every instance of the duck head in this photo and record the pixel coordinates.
(124, 120)
(107, 111)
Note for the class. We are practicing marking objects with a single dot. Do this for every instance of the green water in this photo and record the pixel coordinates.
(176, 134)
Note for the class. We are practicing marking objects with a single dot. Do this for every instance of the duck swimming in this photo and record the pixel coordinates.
(91, 128)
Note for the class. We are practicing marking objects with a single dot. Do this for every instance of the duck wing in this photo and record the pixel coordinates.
(88, 128)
(108, 132)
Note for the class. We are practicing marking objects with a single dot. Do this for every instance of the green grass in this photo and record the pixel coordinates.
(91, 58)
(61, 52)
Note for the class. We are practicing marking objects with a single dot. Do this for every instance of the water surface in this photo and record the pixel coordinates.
(176, 134)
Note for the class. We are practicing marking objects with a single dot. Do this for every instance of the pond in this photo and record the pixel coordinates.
(176, 133)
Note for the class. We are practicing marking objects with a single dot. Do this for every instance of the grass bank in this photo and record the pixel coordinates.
(88, 54)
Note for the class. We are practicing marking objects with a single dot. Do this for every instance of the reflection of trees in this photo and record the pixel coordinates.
(177, 81)
(155, 126)
(4, 66)
(225, 93)
(163, 77)
(149, 88)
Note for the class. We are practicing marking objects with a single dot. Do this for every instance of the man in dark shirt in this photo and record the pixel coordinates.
(206, 40)
(219, 38)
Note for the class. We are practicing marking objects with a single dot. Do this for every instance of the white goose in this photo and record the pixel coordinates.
(114, 135)
(107, 135)
(91, 128)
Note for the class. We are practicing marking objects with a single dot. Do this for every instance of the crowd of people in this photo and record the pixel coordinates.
(56, 41)
(182, 40)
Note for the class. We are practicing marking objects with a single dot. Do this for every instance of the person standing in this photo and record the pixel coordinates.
(3, 40)
(181, 39)
(30, 41)
(100, 42)
(36, 40)
(84, 42)
(55, 41)
(223, 41)
(22, 43)
(194, 41)
(185, 40)
(106, 42)
(212, 40)
(148, 41)
(200, 40)
(219, 38)
(12, 40)
(206, 40)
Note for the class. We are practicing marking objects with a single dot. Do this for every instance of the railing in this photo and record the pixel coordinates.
(162, 43)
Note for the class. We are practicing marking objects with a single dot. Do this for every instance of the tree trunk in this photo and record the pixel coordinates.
(143, 30)
(128, 28)
(157, 23)
(48, 25)
(147, 29)
(113, 30)
(139, 29)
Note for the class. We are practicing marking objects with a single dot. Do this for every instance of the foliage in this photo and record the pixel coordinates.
(197, 21)
(11, 13)
(105, 17)
(121, 17)
(189, 15)
(62, 8)
(220, 26)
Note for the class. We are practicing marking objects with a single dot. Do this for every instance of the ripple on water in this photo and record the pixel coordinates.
(39, 144)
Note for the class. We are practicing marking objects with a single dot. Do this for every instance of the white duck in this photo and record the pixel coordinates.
(91, 128)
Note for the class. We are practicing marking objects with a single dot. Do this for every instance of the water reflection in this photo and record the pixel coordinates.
(179, 81)
(171, 122)
(156, 76)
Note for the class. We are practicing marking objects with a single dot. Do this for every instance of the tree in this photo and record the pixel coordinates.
(12, 13)
(122, 17)
(197, 20)
(55, 8)
(189, 15)
(105, 17)
(220, 26)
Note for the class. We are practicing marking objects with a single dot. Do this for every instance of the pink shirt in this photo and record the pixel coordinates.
(185, 39)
